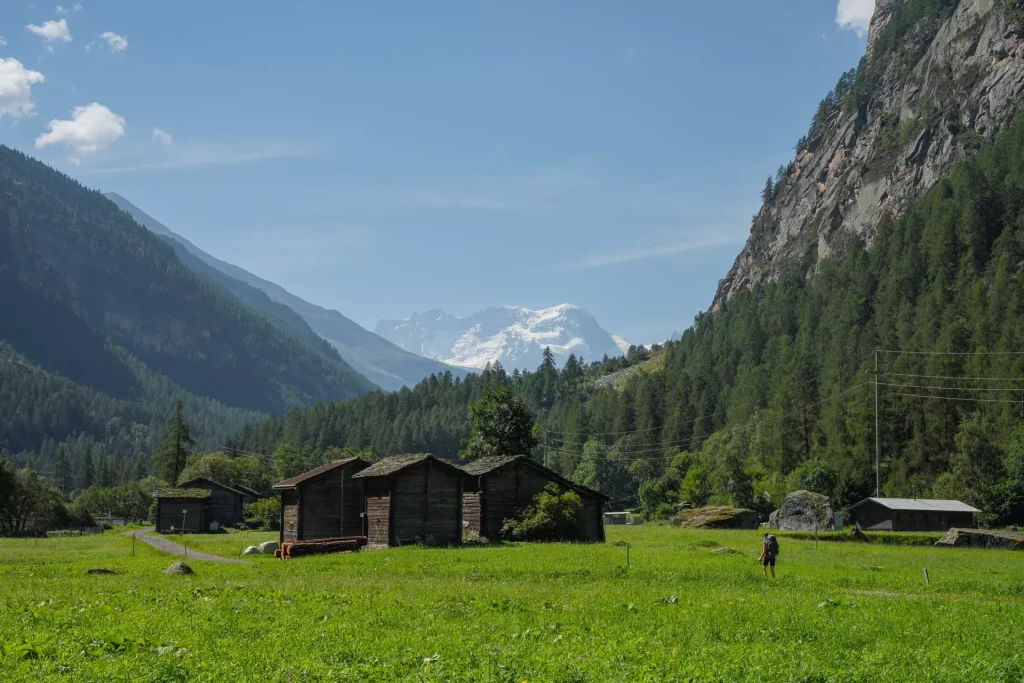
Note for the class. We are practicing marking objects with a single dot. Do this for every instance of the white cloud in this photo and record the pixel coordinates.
(16, 88)
(77, 7)
(855, 15)
(219, 155)
(91, 128)
(52, 31)
(117, 43)
(61, 10)
(3, 41)
(163, 136)
(75, 161)
(644, 253)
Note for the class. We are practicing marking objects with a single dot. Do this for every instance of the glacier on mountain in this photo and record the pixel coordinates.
(514, 336)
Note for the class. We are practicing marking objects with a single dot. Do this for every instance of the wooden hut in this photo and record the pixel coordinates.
(911, 514)
(225, 503)
(181, 509)
(249, 495)
(412, 499)
(500, 488)
(323, 503)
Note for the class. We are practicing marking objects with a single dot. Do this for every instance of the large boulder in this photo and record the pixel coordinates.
(268, 547)
(803, 511)
(980, 538)
(251, 550)
(717, 517)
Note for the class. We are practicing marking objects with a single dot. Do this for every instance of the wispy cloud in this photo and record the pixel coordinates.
(162, 136)
(616, 258)
(300, 249)
(217, 155)
(115, 42)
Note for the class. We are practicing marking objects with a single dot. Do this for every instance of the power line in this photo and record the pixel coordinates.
(954, 353)
(637, 449)
(749, 423)
(925, 386)
(964, 379)
(721, 412)
(959, 398)
(238, 451)
(672, 457)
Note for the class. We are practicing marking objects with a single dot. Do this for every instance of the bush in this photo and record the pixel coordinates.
(554, 516)
(264, 513)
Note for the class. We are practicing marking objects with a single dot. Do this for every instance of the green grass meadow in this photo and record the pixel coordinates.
(548, 612)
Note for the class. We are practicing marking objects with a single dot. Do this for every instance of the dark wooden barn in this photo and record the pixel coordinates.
(225, 504)
(413, 499)
(323, 503)
(248, 495)
(181, 509)
(500, 488)
(911, 514)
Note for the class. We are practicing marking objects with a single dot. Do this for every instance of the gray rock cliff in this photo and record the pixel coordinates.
(931, 89)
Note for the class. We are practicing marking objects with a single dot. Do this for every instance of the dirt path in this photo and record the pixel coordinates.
(174, 549)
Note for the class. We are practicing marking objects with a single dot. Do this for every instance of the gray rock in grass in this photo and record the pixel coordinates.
(179, 568)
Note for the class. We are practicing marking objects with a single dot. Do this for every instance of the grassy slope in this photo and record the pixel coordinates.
(521, 613)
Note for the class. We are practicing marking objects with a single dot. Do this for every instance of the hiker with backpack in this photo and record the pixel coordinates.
(769, 551)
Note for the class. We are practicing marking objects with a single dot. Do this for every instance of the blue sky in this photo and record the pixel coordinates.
(390, 157)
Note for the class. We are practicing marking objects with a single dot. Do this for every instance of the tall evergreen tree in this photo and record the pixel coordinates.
(102, 471)
(170, 456)
(87, 470)
(62, 471)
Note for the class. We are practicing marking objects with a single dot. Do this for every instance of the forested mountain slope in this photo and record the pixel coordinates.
(775, 389)
(374, 357)
(102, 327)
(79, 275)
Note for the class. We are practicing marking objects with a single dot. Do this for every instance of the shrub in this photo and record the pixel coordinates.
(554, 516)
(264, 513)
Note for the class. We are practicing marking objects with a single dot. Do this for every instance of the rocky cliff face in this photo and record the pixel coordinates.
(934, 84)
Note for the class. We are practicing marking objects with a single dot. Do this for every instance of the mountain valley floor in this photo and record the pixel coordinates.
(519, 612)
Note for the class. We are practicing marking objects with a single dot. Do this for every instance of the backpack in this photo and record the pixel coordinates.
(773, 545)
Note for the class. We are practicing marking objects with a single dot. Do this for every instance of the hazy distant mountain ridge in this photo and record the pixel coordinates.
(88, 294)
(513, 335)
(378, 360)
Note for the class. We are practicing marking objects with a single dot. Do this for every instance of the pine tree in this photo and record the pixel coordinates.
(62, 472)
(103, 471)
(87, 472)
(170, 456)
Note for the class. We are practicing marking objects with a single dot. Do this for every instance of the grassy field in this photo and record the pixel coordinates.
(843, 612)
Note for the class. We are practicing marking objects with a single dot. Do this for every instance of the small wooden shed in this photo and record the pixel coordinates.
(225, 504)
(181, 509)
(323, 503)
(911, 514)
(249, 495)
(502, 487)
(412, 499)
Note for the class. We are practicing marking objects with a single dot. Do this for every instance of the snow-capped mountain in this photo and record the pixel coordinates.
(514, 336)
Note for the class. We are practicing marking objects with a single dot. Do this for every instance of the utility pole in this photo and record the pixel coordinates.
(878, 476)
